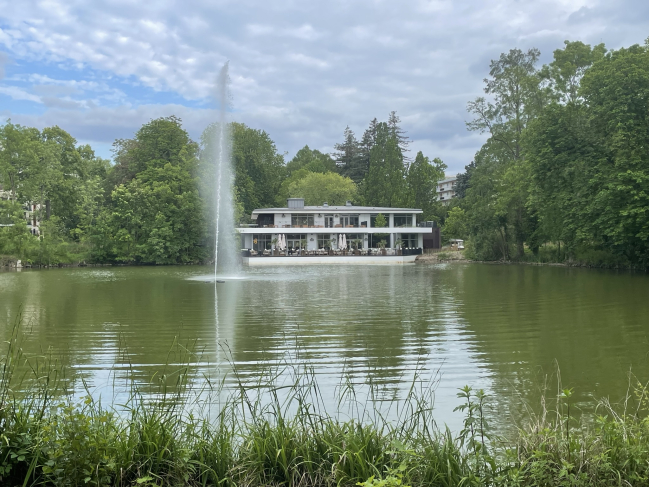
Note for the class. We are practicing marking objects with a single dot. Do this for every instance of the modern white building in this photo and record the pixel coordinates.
(446, 189)
(316, 231)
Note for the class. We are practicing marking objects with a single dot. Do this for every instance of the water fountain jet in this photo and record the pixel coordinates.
(226, 258)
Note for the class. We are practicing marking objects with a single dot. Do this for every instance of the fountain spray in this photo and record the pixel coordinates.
(225, 247)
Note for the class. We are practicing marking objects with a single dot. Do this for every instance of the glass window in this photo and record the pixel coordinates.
(375, 238)
(354, 240)
(294, 242)
(349, 220)
(373, 219)
(402, 220)
(302, 220)
(324, 241)
(261, 242)
(410, 240)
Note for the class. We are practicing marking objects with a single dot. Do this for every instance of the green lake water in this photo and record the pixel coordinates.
(504, 328)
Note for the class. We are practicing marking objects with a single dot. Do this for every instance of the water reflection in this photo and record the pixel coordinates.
(496, 327)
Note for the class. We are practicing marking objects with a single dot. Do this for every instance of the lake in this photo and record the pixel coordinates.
(505, 328)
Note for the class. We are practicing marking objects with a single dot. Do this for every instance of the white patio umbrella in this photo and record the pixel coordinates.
(344, 241)
(340, 241)
(282, 242)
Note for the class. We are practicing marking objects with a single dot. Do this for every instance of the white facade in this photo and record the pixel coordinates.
(446, 190)
(320, 227)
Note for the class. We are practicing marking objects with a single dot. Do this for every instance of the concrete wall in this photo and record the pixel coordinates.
(335, 260)
(279, 221)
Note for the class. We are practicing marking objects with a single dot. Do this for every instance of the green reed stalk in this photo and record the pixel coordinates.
(275, 431)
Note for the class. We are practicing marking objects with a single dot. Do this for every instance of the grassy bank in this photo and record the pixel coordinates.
(276, 432)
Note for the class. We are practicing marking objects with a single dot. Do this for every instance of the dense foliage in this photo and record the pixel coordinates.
(564, 172)
(152, 204)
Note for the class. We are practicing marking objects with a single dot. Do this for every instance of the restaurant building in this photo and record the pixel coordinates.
(316, 231)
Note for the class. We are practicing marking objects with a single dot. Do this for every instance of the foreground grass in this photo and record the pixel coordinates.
(275, 432)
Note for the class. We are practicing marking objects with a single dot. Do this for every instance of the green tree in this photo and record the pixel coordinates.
(394, 124)
(19, 152)
(421, 181)
(384, 184)
(259, 168)
(317, 188)
(568, 67)
(348, 155)
(515, 88)
(311, 160)
(616, 90)
(455, 225)
(157, 216)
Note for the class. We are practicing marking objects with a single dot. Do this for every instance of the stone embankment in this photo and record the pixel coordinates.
(441, 257)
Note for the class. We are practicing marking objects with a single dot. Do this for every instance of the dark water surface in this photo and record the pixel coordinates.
(501, 328)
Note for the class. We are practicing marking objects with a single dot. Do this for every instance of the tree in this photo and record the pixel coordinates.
(380, 221)
(455, 225)
(311, 160)
(421, 181)
(259, 168)
(616, 91)
(394, 123)
(514, 86)
(384, 184)
(156, 217)
(463, 180)
(318, 188)
(349, 157)
(568, 67)
(19, 151)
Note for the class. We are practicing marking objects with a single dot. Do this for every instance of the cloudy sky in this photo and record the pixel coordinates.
(300, 70)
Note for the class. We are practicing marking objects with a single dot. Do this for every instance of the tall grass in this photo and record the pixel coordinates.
(276, 431)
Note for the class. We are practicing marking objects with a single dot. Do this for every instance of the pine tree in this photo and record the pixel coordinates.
(402, 140)
(348, 157)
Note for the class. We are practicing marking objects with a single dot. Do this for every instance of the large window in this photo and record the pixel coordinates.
(375, 238)
(324, 241)
(302, 220)
(403, 221)
(261, 242)
(373, 219)
(294, 242)
(410, 240)
(349, 220)
(354, 239)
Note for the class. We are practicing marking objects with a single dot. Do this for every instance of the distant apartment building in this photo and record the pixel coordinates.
(30, 212)
(446, 189)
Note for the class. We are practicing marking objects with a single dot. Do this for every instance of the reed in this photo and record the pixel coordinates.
(276, 432)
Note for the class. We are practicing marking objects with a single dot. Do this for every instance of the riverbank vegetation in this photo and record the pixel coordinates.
(276, 431)
(563, 175)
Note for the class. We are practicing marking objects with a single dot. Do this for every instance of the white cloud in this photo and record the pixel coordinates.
(19, 94)
(300, 70)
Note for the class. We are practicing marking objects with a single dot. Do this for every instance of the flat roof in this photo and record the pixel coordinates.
(338, 209)
(448, 179)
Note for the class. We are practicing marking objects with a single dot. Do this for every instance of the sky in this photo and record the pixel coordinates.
(301, 71)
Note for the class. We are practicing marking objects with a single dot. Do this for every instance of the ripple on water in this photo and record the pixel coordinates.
(501, 328)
